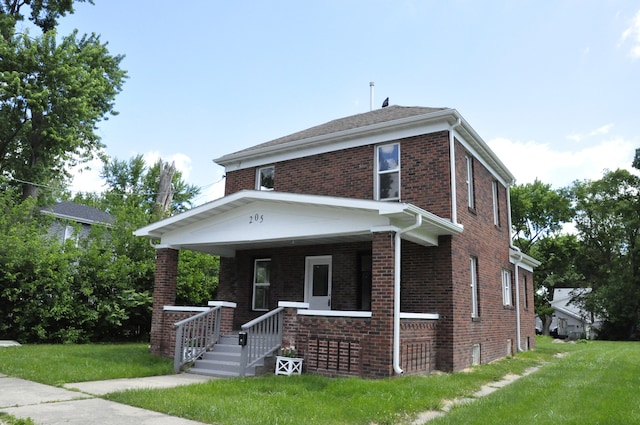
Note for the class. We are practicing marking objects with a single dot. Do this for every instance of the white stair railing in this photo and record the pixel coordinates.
(263, 337)
(196, 335)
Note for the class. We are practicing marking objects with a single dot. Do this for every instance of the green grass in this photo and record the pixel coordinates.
(60, 364)
(597, 383)
(317, 400)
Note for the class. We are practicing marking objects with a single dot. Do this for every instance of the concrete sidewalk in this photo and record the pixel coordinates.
(48, 405)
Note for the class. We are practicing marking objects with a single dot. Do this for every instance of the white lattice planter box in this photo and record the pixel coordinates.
(288, 365)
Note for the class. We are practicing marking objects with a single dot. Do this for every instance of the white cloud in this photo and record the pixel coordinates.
(530, 160)
(633, 34)
(86, 177)
(600, 131)
(182, 161)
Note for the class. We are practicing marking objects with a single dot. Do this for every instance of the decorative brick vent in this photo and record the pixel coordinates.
(333, 357)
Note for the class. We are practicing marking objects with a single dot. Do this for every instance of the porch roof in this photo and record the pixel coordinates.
(252, 219)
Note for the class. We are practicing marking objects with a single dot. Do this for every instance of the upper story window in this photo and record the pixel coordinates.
(496, 203)
(387, 184)
(264, 178)
(470, 192)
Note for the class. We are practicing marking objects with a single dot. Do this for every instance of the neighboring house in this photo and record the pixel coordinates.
(74, 221)
(385, 236)
(569, 319)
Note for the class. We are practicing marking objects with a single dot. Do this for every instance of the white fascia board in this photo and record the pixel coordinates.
(373, 134)
(482, 152)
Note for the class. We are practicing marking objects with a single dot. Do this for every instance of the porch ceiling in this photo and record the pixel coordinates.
(255, 219)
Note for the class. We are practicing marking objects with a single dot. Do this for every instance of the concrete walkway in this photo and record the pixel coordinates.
(487, 389)
(77, 403)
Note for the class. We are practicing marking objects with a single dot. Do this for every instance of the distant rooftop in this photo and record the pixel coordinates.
(78, 212)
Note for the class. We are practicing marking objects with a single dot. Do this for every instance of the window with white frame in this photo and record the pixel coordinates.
(473, 263)
(387, 183)
(525, 291)
(506, 287)
(470, 195)
(496, 203)
(264, 178)
(261, 284)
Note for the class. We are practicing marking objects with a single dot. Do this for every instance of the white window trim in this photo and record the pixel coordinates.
(496, 205)
(506, 287)
(475, 311)
(259, 174)
(470, 195)
(377, 173)
(525, 292)
(262, 284)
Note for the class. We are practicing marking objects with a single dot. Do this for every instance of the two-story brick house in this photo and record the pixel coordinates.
(386, 235)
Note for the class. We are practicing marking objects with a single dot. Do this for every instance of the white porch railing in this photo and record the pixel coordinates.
(264, 337)
(195, 335)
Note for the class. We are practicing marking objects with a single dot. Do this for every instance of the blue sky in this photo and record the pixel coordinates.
(551, 86)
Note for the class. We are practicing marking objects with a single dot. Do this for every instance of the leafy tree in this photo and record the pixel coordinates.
(557, 254)
(52, 95)
(43, 13)
(132, 187)
(537, 211)
(137, 185)
(608, 222)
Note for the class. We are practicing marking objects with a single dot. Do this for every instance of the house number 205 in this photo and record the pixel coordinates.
(256, 218)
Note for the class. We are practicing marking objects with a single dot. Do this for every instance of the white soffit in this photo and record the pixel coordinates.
(250, 219)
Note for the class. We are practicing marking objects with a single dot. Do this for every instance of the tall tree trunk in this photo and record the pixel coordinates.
(165, 191)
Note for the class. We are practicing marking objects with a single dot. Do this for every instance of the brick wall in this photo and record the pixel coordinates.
(287, 276)
(490, 244)
(350, 173)
(434, 279)
(164, 293)
(418, 345)
(333, 346)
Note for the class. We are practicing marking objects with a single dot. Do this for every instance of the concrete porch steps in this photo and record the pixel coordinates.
(223, 361)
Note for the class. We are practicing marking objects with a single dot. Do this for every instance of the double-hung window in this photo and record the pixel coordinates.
(475, 311)
(264, 178)
(525, 291)
(506, 287)
(261, 284)
(470, 192)
(496, 203)
(387, 184)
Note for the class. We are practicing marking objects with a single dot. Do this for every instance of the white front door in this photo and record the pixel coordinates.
(317, 282)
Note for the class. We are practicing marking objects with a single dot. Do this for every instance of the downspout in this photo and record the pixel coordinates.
(396, 293)
(452, 168)
(516, 276)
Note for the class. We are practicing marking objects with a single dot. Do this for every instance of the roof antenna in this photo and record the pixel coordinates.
(371, 84)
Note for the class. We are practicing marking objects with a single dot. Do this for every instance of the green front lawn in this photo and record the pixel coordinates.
(60, 364)
(594, 383)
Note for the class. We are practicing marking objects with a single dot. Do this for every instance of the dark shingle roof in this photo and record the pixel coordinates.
(80, 213)
(377, 116)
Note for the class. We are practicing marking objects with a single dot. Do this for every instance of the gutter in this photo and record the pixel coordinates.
(516, 276)
(452, 169)
(396, 292)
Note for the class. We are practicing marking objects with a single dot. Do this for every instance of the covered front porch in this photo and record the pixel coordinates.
(332, 266)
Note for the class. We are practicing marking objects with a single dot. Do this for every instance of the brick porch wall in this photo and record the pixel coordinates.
(418, 346)
(164, 293)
